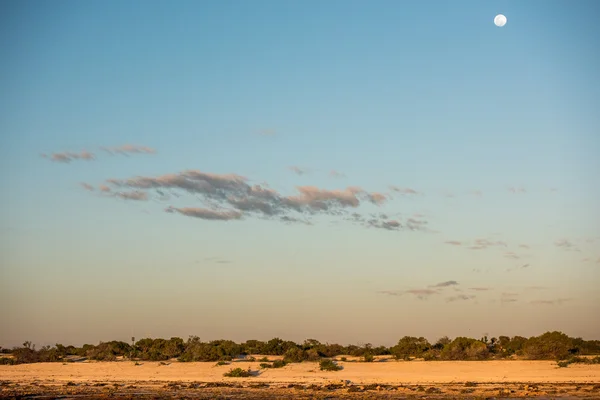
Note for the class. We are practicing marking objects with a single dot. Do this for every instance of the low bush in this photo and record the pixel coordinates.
(237, 373)
(329, 365)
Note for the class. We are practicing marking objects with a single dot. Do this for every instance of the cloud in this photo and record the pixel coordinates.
(536, 288)
(480, 289)
(204, 213)
(133, 195)
(233, 196)
(489, 243)
(382, 221)
(217, 260)
(477, 193)
(511, 255)
(298, 170)
(445, 284)
(508, 297)
(524, 246)
(521, 267)
(67, 157)
(557, 302)
(453, 242)
(459, 297)
(421, 294)
(87, 186)
(267, 132)
(104, 188)
(516, 190)
(336, 174)
(403, 190)
(127, 149)
(566, 245)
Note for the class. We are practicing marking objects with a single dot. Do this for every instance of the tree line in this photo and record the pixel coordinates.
(548, 346)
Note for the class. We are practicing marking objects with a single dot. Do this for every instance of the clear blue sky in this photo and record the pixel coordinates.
(133, 133)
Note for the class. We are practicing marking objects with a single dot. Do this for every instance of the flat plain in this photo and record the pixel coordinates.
(384, 378)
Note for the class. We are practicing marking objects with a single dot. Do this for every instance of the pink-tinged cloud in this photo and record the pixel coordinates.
(87, 186)
(67, 157)
(134, 195)
(205, 213)
(127, 149)
(104, 188)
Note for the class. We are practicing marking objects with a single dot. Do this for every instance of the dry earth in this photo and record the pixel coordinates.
(389, 379)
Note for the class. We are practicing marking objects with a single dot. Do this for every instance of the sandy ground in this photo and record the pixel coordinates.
(388, 379)
(390, 372)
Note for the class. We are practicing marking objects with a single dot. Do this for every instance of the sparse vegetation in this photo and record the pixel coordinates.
(329, 365)
(549, 346)
(238, 373)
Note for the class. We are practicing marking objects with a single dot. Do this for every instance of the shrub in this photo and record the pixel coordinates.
(410, 346)
(237, 373)
(7, 361)
(329, 365)
(295, 355)
(463, 348)
(343, 358)
(264, 359)
(550, 345)
(279, 364)
(221, 362)
(368, 357)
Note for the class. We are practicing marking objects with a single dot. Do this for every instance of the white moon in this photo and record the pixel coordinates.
(500, 20)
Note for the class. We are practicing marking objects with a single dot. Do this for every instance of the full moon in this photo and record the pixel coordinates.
(500, 20)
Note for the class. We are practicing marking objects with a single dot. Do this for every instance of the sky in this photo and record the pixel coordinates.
(349, 171)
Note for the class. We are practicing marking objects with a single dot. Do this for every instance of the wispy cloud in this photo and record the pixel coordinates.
(267, 132)
(207, 214)
(404, 190)
(557, 302)
(336, 174)
(67, 157)
(516, 190)
(444, 284)
(128, 149)
(508, 297)
(217, 260)
(87, 186)
(133, 195)
(297, 170)
(459, 297)
(231, 196)
(453, 242)
(566, 245)
(524, 246)
(421, 294)
(480, 289)
(517, 268)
